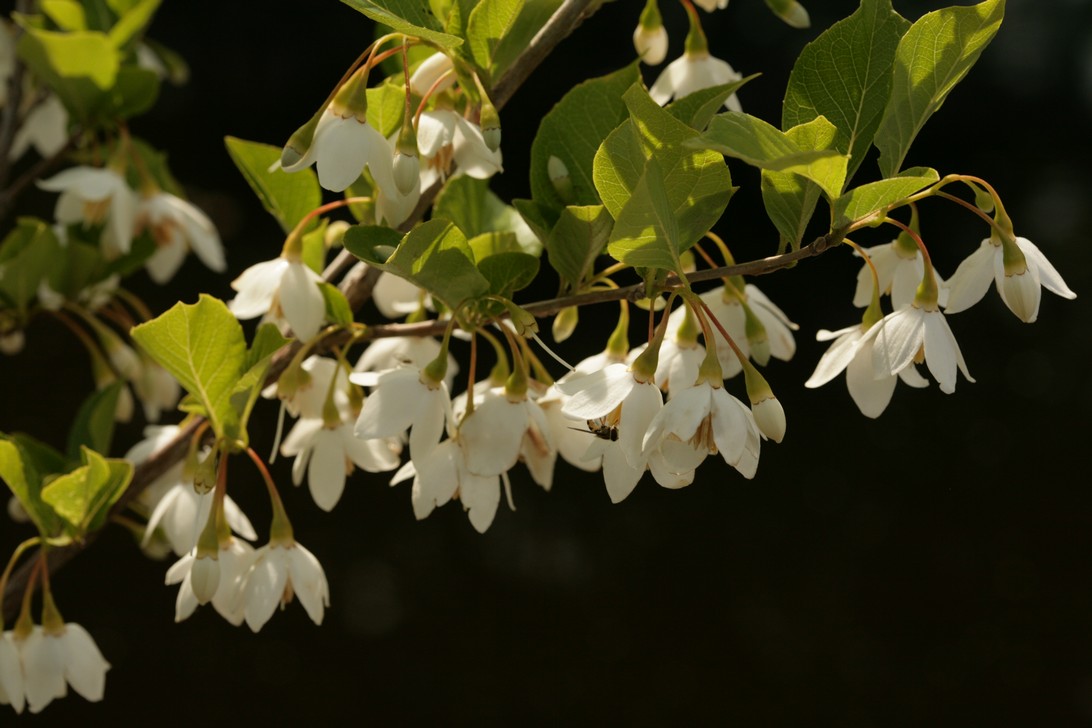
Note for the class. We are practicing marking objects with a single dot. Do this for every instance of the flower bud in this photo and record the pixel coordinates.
(16, 511)
(792, 12)
(12, 342)
(565, 323)
(650, 37)
(335, 231)
(770, 418)
(205, 577)
(490, 125)
(429, 71)
(559, 178)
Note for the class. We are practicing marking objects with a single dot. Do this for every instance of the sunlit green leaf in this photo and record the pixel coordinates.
(645, 232)
(875, 199)
(578, 238)
(933, 56)
(82, 498)
(412, 17)
(489, 23)
(288, 197)
(789, 198)
(698, 108)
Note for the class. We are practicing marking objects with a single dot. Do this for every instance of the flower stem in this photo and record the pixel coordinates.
(19, 550)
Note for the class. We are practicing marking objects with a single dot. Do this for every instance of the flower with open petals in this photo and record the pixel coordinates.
(178, 226)
(853, 353)
(1020, 290)
(52, 658)
(404, 399)
(281, 571)
(910, 333)
(899, 268)
(45, 128)
(444, 138)
(234, 561)
(283, 289)
(92, 196)
(692, 72)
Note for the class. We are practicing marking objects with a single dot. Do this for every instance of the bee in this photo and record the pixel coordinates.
(601, 429)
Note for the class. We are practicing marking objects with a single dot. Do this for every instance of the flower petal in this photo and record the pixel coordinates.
(302, 301)
(308, 582)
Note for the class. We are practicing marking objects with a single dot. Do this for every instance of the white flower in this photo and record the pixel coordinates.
(908, 334)
(342, 146)
(492, 436)
(281, 288)
(402, 399)
(704, 420)
(11, 671)
(278, 573)
(443, 474)
(178, 226)
(1021, 292)
(308, 399)
(853, 353)
(45, 128)
(404, 351)
(234, 561)
(182, 512)
(444, 138)
(94, 195)
(49, 660)
(711, 5)
(899, 272)
(692, 72)
(396, 297)
(650, 44)
(328, 455)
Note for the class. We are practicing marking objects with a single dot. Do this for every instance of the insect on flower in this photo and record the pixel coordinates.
(601, 429)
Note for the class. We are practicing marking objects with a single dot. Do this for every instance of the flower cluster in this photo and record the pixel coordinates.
(38, 664)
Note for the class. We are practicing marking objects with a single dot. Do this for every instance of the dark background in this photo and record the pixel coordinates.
(929, 568)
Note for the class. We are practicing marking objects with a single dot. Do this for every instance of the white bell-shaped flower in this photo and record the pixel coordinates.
(178, 226)
(284, 290)
(92, 196)
(280, 572)
(910, 333)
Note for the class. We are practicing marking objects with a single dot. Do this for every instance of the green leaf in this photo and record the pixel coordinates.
(133, 22)
(933, 56)
(387, 106)
(534, 15)
(66, 14)
(288, 197)
(875, 199)
(508, 272)
(82, 498)
(752, 140)
(645, 232)
(845, 75)
(573, 130)
(313, 243)
(698, 108)
(489, 23)
(412, 17)
(577, 240)
(539, 218)
(24, 479)
(470, 204)
(789, 198)
(27, 256)
(94, 424)
(134, 93)
(337, 306)
(434, 256)
(202, 345)
(697, 182)
(79, 66)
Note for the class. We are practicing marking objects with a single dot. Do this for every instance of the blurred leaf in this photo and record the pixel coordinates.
(412, 17)
(94, 423)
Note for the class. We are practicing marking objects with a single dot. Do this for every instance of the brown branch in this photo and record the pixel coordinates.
(357, 287)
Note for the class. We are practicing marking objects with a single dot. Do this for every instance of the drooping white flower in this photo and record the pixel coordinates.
(328, 453)
(429, 72)
(650, 44)
(492, 436)
(899, 271)
(910, 333)
(280, 572)
(711, 5)
(396, 297)
(692, 72)
(1021, 292)
(853, 353)
(404, 399)
(51, 659)
(94, 195)
(234, 561)
(12, 691)
(283, 289)
(45, 128)
(444, 138)
(343, 145)
(704, 420)
(178, 226)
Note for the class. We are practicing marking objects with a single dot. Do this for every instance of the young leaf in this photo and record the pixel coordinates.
(133, 22)
(875, 199)
(789, 198)
(18, 469)
(337, 306)
(83, 497)
(573, 130)
(646, 233)
(577, 240)
(755, 142)
(412, 17)
(434, 256)
(698, 108)
(933, 56)
(202, 345)
(845, 75)
(387, 106)
(508, 272)
(489, 23)
(287, 197)
(470, 204)
(94, 424)
(697, 182)
(532, 17)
